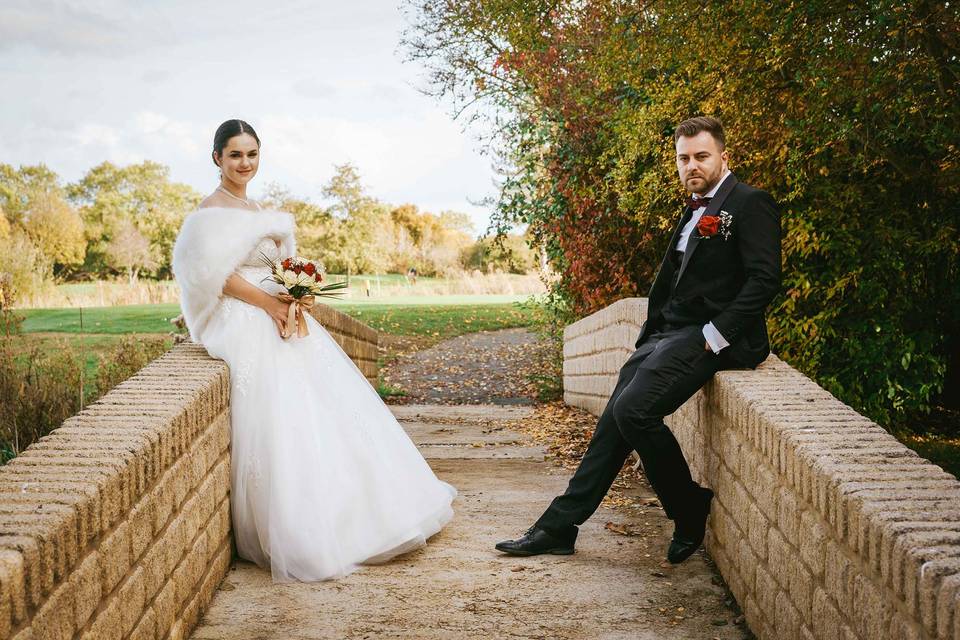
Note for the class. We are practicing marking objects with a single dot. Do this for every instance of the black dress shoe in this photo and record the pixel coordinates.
(690, 529)
(536, 541)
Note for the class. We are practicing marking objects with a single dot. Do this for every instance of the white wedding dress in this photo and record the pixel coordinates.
(323, 476)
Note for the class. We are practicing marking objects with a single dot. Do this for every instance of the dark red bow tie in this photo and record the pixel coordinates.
(695, 202)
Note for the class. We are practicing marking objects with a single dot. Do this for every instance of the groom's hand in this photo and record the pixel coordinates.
(706, 345)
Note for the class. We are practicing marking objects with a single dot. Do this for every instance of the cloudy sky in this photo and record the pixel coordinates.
(321, 81)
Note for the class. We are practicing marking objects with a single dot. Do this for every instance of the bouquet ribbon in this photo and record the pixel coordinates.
(295, 314)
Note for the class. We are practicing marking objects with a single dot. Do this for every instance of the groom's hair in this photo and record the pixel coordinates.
(693, 126)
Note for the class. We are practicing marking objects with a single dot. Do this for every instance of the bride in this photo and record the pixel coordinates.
(323, 477)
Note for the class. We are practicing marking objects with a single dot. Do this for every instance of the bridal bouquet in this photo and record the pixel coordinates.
(303, 281)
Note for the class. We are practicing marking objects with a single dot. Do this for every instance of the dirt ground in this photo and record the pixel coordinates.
(507, 462)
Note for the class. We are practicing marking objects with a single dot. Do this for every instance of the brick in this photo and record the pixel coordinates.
(801, 586)
(115, 557)
(948, 603)
(826, 618)
(813, 535)
(778, 556)
(191, 517)
(146, 628)
(132, 594)
(13, 590)
(55, 619)
(165, 607)
(87, 583)
(35, 557)
(934, 579)
(787, 618)
(57, 534)
(748, 565)
(197, 559)
(757, 532)
(141, 522)
(161, 500)
(175, 539)
(752, 613)
(911, 555)
(871, 611)
(222, 475)
(788, 518)
(219, 526)
(729, 446)
(107, 625)
(765, 491)
(766, 592)
(904, 629)
(154, 565)
(838, 577)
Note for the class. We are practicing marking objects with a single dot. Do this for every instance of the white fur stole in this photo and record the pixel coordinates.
(211, 244)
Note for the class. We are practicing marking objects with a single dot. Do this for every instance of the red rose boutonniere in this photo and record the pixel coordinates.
(710, 226)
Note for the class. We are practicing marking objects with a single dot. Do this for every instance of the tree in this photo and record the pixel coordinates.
(847, 113)
(129, 250)
(316, 226)
(22, 268)
(142, 194)
(510, 253)
(33, 202)
(56, 230)
(18, 188)
(363, 222)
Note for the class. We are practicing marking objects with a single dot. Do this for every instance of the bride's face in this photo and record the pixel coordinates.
(240, 158)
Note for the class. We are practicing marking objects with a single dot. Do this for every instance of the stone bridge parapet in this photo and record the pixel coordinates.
(824, 526)
(116, 525)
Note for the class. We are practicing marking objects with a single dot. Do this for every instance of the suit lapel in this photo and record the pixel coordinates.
(684, 219)
(712, 209)
(665, 266)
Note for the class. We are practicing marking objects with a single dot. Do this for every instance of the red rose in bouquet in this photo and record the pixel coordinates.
(301, 280)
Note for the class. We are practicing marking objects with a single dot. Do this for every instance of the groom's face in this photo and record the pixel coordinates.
(700, 162)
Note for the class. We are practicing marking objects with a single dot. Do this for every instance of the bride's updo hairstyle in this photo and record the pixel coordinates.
(227, 130)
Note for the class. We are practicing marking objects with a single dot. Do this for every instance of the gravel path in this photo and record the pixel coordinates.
(488, 367)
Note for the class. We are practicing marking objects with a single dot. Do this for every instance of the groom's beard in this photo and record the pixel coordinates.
(709, 182)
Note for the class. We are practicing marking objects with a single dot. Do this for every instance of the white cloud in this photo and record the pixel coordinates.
(103, 27)
(127, 81)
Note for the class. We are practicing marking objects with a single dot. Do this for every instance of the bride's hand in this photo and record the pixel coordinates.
(278, 310)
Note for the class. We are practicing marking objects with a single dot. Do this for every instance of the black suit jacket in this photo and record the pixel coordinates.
(728, 281)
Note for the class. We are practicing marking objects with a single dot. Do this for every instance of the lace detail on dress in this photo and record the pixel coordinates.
(267, 247)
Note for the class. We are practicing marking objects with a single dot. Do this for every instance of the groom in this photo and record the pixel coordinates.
(706, 313)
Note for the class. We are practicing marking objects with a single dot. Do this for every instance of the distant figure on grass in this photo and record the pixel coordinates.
(706, 313)
(412, 275)
(323, 478)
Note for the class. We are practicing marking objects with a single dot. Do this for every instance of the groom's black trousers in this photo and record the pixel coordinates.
(663, 373)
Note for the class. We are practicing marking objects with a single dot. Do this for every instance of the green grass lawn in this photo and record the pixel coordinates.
(134, 318)
(446, 320)
(424, 315)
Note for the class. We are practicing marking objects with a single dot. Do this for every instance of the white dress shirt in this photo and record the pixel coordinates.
(710, 333)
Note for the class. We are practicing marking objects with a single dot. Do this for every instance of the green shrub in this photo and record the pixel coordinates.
(41, 388)
(43, 385)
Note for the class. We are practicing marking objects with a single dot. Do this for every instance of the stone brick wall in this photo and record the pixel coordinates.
(824, 526)
(117, 524)
(357, 339)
